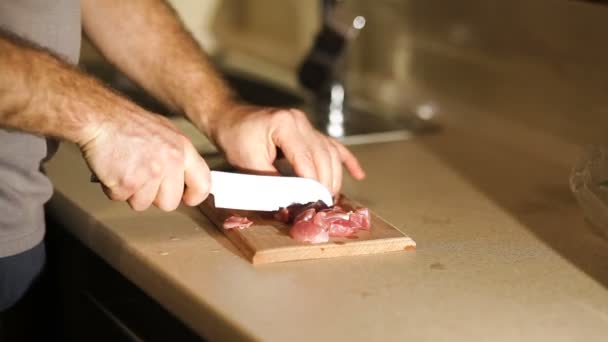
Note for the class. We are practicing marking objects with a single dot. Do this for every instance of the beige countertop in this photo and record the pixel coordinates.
(504, 253)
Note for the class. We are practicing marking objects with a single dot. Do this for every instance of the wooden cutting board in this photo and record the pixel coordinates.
(267, 240)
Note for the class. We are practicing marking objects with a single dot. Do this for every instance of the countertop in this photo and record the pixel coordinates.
(504, 253)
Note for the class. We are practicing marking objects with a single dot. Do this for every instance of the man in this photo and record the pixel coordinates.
(139, 157)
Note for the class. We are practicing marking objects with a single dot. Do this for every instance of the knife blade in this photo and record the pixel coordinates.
(264, 193)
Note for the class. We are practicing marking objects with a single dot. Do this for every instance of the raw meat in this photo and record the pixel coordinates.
(282, 215)
(313, 222)
(341, 228)
(361, 218)
(289, 214)
(306, 231)
(316, 223)
(237, 222)
(306, 215)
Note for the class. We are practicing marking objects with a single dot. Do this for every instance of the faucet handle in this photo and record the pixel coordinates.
(318, 68)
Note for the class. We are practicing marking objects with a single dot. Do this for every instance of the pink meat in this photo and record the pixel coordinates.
(319, 218)
(290, 213)
(237, 222)
(306, 231)
(333, 216)
(361, 218)
(316, 223)
(306, 215)
(282, 215)
(341, 228)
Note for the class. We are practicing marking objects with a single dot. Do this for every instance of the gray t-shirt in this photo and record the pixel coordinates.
(24, 189)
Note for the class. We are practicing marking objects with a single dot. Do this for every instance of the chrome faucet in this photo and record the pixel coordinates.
(322, 72)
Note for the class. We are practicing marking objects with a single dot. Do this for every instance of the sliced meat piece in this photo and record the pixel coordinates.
(296, 209)
(361, 218)
(341, 228)
(307, 231)
(237, 222)
(319, 219)
(315, 222)
(282, 215)
(332, 216)
(306, 215)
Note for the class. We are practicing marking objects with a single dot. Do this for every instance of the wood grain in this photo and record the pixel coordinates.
(267, 240)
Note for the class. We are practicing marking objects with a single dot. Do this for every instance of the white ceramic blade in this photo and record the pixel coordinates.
(264, 193)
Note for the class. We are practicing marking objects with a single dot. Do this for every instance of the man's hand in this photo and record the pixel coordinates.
(249, 136)
(140, 157)
(181, 76)
(143, 159)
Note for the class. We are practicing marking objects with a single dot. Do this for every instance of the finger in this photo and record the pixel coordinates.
(336, 164)
(290, 141)
(350, 161)
(171, 189)
(145, 196)
(323, 164)
(197, 180)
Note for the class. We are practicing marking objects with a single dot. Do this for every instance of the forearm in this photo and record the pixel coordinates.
(43, 95)
(146, 40)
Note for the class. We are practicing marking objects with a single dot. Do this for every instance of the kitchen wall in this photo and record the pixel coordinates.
(510, 58)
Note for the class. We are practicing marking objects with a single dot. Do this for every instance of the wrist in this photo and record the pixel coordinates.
(103, 110)
(209, 115)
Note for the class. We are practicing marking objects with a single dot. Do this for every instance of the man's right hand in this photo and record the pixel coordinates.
(138, 156)
(143, 159)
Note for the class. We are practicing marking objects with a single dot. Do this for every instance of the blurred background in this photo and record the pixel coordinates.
(511, 59)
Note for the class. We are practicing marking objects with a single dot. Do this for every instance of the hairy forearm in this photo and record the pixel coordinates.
(41, 94)
(146, 40)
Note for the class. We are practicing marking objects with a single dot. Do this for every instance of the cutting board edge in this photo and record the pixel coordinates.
(287, 253)
(240, 244)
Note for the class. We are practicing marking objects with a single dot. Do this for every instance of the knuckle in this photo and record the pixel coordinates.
(285, 118)
(333, 150)
(175, 154)
(303, 157)
(298, 115)
(128, 183)
(155, 168)
(325, 148)
(182, 140)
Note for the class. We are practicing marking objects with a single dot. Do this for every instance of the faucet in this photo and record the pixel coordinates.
(322, 73)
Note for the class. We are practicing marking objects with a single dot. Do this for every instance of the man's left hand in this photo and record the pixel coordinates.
(249, 136)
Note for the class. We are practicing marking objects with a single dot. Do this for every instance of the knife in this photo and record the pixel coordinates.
(265, 193)
(262, 193)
